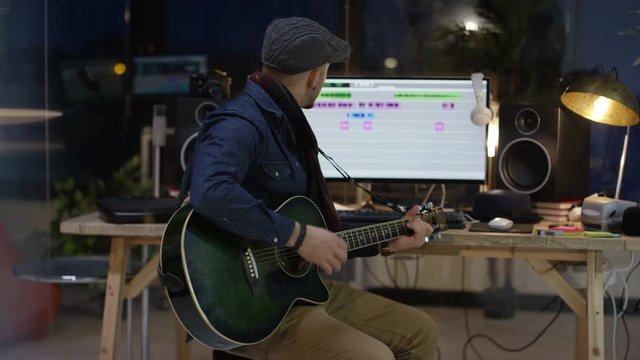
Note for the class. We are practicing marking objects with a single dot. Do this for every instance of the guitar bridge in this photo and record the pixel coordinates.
(250, 269)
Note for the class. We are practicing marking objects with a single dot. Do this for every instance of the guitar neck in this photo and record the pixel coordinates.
(374, 234)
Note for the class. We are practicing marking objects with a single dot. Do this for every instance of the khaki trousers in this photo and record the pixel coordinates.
(352, 325)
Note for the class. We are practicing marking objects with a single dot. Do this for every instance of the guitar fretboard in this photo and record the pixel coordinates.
(374, 234)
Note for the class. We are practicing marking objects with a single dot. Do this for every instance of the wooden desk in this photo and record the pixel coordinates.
(539, 252)
(123, 236)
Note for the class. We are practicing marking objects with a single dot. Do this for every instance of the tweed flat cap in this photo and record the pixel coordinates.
(294, 45)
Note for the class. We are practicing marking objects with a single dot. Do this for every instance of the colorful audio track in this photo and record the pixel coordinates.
(422, 95)
(367, 124)
(360, 104)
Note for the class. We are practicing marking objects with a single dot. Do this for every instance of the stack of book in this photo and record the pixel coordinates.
(554, 211)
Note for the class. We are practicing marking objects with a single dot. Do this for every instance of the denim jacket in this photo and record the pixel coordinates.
(242, 168)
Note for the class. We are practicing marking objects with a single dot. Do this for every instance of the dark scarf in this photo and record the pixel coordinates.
(302, 142)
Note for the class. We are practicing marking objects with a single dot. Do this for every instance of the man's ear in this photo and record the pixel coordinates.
(312, 78)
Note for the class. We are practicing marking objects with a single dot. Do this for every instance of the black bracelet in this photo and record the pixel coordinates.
(301, 235)
(385, 249)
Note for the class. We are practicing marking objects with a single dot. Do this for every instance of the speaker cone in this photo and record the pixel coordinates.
(203, 109)
(525, 166)
(527, 121)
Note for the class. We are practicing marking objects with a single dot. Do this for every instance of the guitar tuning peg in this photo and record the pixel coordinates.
(426, 207)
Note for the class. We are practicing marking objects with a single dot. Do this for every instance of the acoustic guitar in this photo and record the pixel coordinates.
(228, 291)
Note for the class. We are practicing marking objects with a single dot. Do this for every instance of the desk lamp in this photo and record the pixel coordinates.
(603, 99)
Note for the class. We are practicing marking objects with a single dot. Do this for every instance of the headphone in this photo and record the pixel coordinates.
(480, 115)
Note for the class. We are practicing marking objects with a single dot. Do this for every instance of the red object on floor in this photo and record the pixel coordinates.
(26, 307)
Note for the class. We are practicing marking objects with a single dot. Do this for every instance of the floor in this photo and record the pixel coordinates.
(75, 335)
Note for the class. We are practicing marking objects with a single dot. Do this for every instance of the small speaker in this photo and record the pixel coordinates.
(631, 221)
(543, 151)
(187, 115)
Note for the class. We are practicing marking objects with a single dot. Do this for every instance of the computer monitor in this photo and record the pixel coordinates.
(400, 129)
(167, 74)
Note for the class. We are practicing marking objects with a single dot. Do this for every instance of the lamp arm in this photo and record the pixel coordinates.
(623, 158)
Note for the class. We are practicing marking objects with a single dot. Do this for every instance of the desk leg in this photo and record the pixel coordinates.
(595, 305)
(582, 334)
(113, 298)
(572, 298)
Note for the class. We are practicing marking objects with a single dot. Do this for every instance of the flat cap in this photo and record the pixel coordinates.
(294, 45)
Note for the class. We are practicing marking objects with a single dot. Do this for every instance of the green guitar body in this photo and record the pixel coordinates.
(228, 291)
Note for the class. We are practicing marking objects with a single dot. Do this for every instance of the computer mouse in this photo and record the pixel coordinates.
(500, 223)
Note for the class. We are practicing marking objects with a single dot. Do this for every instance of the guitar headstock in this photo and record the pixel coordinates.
(434, 217)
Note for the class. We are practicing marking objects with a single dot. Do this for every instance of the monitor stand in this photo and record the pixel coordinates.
(363, 199)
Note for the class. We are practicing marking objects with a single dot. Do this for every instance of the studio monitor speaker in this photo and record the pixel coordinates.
(543, 151)
(187, 115)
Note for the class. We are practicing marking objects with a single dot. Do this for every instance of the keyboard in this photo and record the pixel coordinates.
(362, 217)
(368, 216)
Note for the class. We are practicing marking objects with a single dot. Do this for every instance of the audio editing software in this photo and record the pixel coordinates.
(400, 129)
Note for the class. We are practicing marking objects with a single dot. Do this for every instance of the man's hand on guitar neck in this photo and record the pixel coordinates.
(420, 230)
(321, 247)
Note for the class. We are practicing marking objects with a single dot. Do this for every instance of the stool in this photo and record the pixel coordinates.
(65, 270)
(75, 270)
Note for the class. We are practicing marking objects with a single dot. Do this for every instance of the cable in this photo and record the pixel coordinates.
(380, 200)
(624, 298)
(390, 275)
(426, 197)
(443, 190)
(417, 272)
(376, 278)
(615, 317)
(470, 338)
(623, 308)
(626, 330)
(518, 349)
(406, 271)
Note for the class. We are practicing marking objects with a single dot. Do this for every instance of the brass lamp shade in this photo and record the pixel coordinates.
(603, 99)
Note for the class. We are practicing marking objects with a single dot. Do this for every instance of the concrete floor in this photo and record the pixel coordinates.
(75, 335)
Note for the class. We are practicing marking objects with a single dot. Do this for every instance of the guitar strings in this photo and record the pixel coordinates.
(355, 235)
(353, 238)
(273, 256)
(352, 234)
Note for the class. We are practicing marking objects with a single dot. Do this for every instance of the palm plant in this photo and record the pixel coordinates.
(521, 44)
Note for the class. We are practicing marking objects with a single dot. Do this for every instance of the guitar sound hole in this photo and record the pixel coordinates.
(292, 263)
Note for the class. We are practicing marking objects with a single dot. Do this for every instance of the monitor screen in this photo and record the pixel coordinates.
(158, 75)
(400, 129)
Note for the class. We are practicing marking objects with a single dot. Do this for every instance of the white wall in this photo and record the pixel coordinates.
(443, 273)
